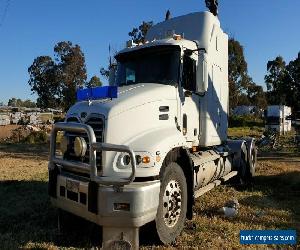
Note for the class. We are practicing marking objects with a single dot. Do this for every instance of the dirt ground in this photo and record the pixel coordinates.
(27, 219)
(5, 131)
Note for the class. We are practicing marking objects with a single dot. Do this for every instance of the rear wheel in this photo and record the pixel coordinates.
(246, 170)
(171, 212)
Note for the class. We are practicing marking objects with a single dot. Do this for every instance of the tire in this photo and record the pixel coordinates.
(244, 177)
(171, 212)
(253, 161)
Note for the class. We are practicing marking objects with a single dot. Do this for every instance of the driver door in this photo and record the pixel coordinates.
(190, 101)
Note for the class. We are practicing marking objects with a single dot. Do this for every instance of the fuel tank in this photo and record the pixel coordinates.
(210, 165)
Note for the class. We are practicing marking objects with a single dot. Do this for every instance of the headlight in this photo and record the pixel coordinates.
(126, 160)
(64, 144)
(80, 146)
(143, 159)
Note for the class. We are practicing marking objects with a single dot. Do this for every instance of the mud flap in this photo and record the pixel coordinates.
(92, 197)
(52, 182)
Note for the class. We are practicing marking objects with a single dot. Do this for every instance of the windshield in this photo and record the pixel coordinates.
(149, 65)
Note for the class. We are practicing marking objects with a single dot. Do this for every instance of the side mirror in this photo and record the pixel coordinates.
(112, 74)
(202, 73)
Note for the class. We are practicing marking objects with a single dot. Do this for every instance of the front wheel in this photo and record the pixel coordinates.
(171, 212)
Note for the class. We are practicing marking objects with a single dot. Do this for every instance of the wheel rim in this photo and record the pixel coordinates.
(253, 161)
(172, 203)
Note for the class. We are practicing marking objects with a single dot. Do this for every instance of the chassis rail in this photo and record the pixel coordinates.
(90, 168)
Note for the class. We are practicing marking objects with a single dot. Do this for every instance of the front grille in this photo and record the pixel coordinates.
(97, 123)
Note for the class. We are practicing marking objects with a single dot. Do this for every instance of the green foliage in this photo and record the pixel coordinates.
(44, 82)
(245, 121)
(104, 72)
(138, 35)
(283, 82)
(243, 132)
(94, 82)
(14, 102)
(257, 96)
(36, 137)
(237, 74)
(293, 69)
(56, 81)
(275, 80)
(242, 89)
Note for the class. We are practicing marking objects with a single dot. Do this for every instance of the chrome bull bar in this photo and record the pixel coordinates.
(90, 168)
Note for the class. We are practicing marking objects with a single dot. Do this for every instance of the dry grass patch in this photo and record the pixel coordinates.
(28, 220)
(238, 132)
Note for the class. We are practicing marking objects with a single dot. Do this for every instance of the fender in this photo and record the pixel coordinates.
(170, 138)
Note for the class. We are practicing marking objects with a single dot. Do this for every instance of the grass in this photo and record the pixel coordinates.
(28, 220)
(284, 143)
(272, 203)
(237, 132)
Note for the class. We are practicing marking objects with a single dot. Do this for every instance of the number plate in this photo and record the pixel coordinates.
(72, 186)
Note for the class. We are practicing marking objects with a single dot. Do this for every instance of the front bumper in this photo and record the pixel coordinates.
(104, 200)
(141, 199)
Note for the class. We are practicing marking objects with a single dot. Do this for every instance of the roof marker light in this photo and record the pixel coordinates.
(177, 37)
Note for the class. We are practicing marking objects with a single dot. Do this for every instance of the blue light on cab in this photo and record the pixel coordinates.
(97, 93)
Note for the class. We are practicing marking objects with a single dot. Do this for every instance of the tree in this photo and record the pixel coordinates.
(94, 82)
(283, 82)
(257, 96)
(56, 81)
(138, 35)
(29, 104)
(237, 72)
(104, 72)
(243, 100)
(71, 71)
(275, 81)
(14, 102)
(293, 83)
(44, 82)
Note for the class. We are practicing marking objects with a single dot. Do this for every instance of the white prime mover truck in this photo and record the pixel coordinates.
(143, 148)
(278, 118)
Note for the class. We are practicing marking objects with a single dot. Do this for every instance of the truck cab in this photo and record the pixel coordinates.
(143, 148)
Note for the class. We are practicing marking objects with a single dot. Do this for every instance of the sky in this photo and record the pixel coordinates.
(31, 28)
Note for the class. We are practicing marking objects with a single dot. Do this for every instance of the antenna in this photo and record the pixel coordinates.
(109, 52)
(212, 5)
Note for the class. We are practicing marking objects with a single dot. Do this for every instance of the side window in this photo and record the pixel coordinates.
(189, 73)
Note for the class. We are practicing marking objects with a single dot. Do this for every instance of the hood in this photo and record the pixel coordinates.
(129, 97)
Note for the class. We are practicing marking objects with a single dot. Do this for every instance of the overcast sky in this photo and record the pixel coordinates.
(266, 28)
